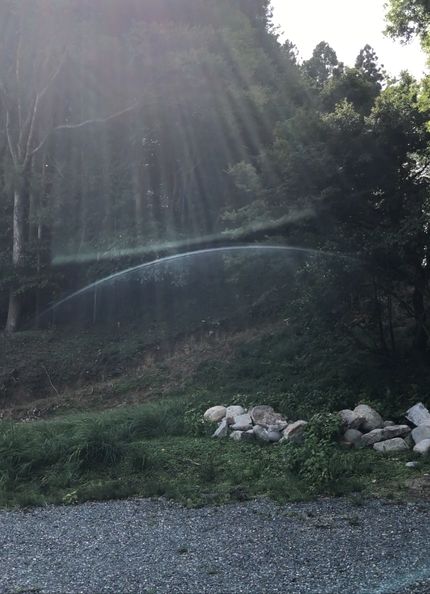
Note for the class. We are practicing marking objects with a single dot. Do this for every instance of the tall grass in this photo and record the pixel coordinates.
(81, 442)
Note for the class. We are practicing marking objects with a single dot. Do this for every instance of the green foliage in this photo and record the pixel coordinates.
(319, 460)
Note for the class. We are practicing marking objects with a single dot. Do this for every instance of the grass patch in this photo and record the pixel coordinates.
(150, 451)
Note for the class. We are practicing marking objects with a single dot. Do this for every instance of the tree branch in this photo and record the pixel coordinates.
(85, 123)
(12, 148)
(28, 152)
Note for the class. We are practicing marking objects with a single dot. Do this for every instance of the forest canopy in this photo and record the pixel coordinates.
(126, 126)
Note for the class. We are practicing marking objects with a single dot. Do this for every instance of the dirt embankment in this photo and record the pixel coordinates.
(44, 374)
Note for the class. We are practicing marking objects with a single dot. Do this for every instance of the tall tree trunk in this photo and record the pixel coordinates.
(421, 337)
(18, 250)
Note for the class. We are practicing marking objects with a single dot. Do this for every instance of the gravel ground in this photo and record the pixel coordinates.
(329, 546)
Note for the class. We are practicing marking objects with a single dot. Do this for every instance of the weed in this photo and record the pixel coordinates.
(357, 499)
(354, 521)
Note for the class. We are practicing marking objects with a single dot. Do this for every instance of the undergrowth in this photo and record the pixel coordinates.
(153, 451)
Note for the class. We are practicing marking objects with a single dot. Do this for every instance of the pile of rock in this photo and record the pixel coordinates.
(261, 423)
(365, 427)
(362, 427)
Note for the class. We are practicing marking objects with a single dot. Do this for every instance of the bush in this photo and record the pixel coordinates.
(320, 461)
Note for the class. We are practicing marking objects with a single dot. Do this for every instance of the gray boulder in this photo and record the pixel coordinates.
(260, 433)
(273, 433)
(418, 415)
(353, 436)
(215, 414)
(423, 447)
(265, 416)
(383, 434)
(421, 432)
(372, 419)
(372, 437)
(391, 445)
(233, 411)
(242, 435)
(294, 432)
(222, 430)
(350, 419)
(242, 422)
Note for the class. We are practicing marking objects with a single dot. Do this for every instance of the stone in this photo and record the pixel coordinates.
(423, 447)
(396, 431)
(372, 419)
(215, 414)
(248, 435)
(391, 445)
(421, 432)
(383, 434)
(418, 415)
(353, 436)
(280, 425)
(233, 411)
(350, 419)
(294, 432)
(242, 435)
(389, 423)
(372, 437)
(222, 430)
(409, 441)
(273, 433)
(260, 433)
(412, 464)
(242, 423)
(265, 416)
(236, 435)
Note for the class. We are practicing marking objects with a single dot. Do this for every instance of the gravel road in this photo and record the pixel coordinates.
(329, 546)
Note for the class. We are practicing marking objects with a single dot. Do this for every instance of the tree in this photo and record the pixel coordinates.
(40, 44)
(355, 183)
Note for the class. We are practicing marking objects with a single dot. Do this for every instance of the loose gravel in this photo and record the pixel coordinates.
(329, 546)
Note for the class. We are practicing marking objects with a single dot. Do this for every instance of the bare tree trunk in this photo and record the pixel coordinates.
(420, 338)
(18, 249)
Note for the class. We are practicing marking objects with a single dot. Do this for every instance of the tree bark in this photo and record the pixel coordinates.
(18, 250)
(420, 338)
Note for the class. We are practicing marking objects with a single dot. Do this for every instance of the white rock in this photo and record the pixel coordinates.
(421, 432)
(396, 430)
(372, 437)
(350, 419)
(353, 436)
(222, 430)
(233, 411)
(412, 464)
(265, 416)
(280, 425)
(418, 415)
(423, 447)
(391, 445)
(294, 432)
(215, 414)
(260, 433)
(383, 434)
(372, 419)
(236, 435)
(242, 422)
(273, 433)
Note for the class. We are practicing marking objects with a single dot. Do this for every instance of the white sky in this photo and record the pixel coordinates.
(347, 26)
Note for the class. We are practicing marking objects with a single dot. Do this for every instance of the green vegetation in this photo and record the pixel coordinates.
(205, 130)
(146, 451)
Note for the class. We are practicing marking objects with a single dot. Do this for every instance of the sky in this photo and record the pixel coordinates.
(347, 27)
